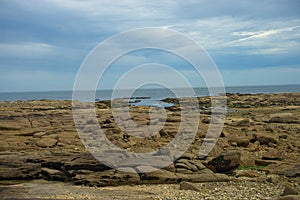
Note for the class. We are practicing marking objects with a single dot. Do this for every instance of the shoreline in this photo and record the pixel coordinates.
(155, 94)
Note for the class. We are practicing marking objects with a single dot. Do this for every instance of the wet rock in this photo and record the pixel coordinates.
(225, 162)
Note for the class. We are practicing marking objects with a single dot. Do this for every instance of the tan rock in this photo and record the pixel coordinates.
(241, 141)
(46, 142)
(189, 186)
(265, 139)
(283, 118)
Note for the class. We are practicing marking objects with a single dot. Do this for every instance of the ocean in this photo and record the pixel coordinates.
(153, 96)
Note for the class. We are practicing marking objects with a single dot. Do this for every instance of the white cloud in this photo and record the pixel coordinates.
(262, 34)
(228, 35)
(26, 50)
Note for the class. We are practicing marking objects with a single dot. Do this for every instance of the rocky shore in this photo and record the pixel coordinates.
(257, 155)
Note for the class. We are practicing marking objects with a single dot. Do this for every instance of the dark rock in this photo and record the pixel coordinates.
(288, 190)
(14, 166)
(225, 162)
(85, 164)
(53, 174)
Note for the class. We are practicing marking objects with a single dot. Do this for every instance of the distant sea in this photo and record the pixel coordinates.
(153, 95)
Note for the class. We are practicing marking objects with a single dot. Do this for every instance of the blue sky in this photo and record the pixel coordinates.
(43, 42)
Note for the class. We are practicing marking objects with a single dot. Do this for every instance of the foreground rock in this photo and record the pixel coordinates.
(226, 162)
(220, 191)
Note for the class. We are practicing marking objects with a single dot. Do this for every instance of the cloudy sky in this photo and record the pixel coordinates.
(44, 42)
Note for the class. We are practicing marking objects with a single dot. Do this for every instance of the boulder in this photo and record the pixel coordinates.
(225, 162)
(46, 142)
(266, 139)
(283, 118)
(289, 190)
(241, 141)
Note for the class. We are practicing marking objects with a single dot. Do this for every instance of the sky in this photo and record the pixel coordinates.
(44, 42)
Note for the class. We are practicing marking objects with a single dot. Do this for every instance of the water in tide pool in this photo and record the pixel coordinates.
(150, 96)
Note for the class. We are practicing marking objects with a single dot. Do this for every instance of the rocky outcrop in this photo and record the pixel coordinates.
(38, 140)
